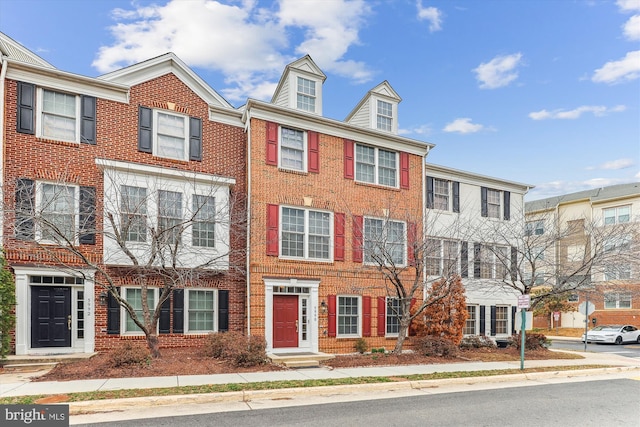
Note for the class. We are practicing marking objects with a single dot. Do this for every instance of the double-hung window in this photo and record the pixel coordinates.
(133, 213)
(306, 95)
(171, 135)
(305, 233)
(613, 300)
(441, 194)
(384, 116)
(502, 319)
(292, 149)
(470, 323)
(384, 241)
(376, 166)
(200, 310)
(442, 257)
(59, 113)
(493, 203)
(134, 298)
(169, 216)
(493, 262)
(394, 313)
(203, 221)
(58, 211)
(348, 316)
(532, 228)
(617, 215)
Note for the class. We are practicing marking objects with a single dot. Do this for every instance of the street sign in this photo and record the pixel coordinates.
(524, 301)
(586, 308)
(556, 315)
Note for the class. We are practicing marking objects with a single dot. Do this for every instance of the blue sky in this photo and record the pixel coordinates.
(544, 92)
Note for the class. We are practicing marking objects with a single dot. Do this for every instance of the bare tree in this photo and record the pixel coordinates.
(551, 255)
(157, 232)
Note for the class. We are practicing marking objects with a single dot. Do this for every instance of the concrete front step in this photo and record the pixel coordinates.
(299, 360)
(30, 363)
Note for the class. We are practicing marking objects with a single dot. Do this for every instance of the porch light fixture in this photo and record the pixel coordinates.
(323, 307)
(103, 298)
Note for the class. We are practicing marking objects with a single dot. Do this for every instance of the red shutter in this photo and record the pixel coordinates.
(357, 238)
(366, 316)
(411, 242)
(272, 144)
(314, 151)
(382, 318)
(412, 331)
(348, 159)
(338, 236)
(404, 170)
(331, 328)
(272, 230)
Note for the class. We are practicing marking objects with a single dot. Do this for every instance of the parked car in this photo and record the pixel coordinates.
(613, 334)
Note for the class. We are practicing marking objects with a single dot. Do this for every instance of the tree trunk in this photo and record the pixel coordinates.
(402, 334)
(154, 345)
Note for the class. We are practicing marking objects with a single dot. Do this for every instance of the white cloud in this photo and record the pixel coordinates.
(614, 164)
(628, 5)
(559, 188)
(631, 28)
(248, 44)
(431, 14)
(463, 125)
(498, 72)
(422, 130)
(597, 110)
(625, 69)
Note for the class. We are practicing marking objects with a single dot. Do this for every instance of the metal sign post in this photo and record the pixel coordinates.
(586, 308)
(524, 302)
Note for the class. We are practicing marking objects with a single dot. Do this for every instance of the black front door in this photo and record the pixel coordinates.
(50, 316)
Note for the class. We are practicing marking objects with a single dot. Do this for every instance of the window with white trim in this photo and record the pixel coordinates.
(60, 115)
(617, 215)
(348, 316)
(442, 257)
(293, 146)
(134, 298)
(493, 203)
(58, 207)
(384, 241)
(376, 166)
(613, 300)
(169, 216)
(532, 228)
(384, 116)
(170, 135)
(305, 233)
(472, 320)
(306, 94)
(394, 313)
(502, 319)
(493, 262)
(204, 221)
(200, 310)
(441, 194)
(133, 215)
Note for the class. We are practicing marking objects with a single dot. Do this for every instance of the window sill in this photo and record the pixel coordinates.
(292, 171)
(305, 261)
(58, 142)
(170, 160)
(348, 337)
(381, 187)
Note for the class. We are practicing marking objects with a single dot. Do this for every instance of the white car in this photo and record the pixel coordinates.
(613, 334)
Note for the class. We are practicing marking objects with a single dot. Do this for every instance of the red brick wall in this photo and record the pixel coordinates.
(223, 153)
(331, 191)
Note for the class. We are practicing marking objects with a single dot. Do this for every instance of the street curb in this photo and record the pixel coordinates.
(117, 405)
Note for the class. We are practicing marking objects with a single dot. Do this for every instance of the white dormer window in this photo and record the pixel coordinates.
(306, 95)
(384, 116)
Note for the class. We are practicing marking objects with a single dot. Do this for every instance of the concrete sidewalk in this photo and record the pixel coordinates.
(12, 385)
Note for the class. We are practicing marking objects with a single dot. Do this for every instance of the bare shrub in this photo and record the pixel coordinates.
(430, 345)
(129, 354)
(238, 349)
(477, 341)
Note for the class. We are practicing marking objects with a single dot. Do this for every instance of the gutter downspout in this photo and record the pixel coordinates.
(424, 222)
(3, 74)
(248, 244)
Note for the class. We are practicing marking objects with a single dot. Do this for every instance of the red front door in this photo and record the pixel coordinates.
(285, 321)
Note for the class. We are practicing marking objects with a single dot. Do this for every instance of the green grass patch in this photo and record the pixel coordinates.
(274, 385)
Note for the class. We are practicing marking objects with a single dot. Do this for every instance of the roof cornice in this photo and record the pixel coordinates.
(439, 171)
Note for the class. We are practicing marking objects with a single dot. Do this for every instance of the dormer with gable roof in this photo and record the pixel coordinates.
(378, 109)
(300, 86)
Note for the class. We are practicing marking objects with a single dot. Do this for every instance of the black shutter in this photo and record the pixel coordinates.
(223, 311)
(113, 314)
(164, 324)
(87, 227)
(26, 106)
(145, 129)
(514, 263)
(429, 192)
(25, 194)
(178, 311)
(195, 138)
(483, 321)
(456, 196)
(464, 260)
(493, 320)
(507, 205)
(88, 120)
(484, 210)
(514, 309)
(476, 260)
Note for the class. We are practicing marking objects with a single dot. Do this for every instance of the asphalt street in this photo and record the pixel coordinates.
(627, 350)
